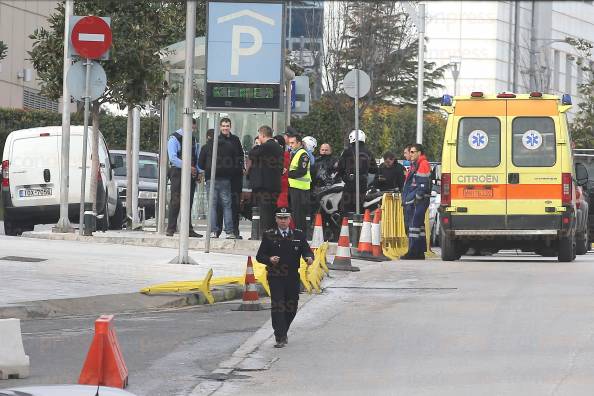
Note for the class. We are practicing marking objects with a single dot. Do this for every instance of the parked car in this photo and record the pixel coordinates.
(586, 158)
(31, 175)
(148, 182)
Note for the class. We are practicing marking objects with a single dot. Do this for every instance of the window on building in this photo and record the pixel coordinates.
(557, 69)
(32, 100)
(307, 22)
(568, 71)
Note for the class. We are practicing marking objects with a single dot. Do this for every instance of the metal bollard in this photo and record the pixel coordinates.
(89, 223)
(309, 225)
(255, 224)
(357, 226)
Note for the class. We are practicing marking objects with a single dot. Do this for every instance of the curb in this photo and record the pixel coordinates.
(119, 303)
(154, 240)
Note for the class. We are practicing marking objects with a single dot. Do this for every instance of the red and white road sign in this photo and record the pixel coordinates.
(91, 37)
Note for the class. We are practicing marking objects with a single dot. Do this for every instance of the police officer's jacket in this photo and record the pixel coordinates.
(289, 249)
(417, 185)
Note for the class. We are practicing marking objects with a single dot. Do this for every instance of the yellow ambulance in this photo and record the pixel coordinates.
(508, 179)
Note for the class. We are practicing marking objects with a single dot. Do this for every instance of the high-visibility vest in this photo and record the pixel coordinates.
(300, 183)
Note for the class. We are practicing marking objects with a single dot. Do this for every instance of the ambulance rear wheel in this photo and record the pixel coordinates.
(566, 249)
(582, 243)
(449, 250)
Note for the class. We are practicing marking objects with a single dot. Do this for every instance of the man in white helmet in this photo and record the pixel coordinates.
(346, 171)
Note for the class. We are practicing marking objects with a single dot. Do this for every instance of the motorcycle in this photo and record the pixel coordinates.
(328, 198)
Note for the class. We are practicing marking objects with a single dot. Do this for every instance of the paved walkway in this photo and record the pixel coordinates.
(73, 269)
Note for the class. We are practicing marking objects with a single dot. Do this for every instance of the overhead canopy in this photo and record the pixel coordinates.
(176, 55)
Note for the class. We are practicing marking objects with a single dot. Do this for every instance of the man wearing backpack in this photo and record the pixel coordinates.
(174, 151)
(346, 170)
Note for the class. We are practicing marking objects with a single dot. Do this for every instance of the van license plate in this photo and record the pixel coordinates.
(35, 192)
(478, 193)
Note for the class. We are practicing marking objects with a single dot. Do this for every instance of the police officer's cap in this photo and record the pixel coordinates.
(283, 212)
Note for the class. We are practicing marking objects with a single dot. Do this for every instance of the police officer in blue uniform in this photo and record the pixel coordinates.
(281, 251)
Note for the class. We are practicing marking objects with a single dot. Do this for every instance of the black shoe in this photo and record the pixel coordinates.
(169, 233)
(194, 234)
(286, 340)
(409, 256)
(237, 236)
(279, 344)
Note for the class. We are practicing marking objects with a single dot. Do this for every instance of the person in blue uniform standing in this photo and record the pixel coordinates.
(416, 194)
(281, 251)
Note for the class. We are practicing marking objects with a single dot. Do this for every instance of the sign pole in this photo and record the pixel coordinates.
(186, 177)
(134, 161)
(357, 186)
(83, 174)
(420, 73)
(162, 197)
(213, 172)
(63, 224)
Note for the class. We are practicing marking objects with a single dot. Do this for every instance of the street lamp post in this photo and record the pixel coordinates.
(455, 61)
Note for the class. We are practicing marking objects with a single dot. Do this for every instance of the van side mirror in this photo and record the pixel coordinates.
(581, 174)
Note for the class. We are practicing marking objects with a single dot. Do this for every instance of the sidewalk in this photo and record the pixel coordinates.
(82, 270)
(152, 239)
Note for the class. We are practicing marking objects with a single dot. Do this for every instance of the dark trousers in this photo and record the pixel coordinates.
(417, 242)
(266, 201)
(174, 203)
(236, 189)
(284, 297)
(299, 200)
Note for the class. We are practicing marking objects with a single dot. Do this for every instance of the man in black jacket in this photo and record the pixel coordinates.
(226, 169)
(237, 176)
(390, 173)
(346, 170)
(265, 175)
(281, 251)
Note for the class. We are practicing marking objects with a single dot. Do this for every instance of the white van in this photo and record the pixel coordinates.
(31, 178)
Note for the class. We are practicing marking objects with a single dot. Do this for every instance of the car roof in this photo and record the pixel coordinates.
(147, 153)
(53, 130)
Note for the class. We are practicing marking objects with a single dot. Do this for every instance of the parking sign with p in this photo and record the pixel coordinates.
(245, 55)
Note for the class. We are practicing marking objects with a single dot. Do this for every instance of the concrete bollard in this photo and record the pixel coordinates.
(13, 361)
(256, 235)
(89, 223)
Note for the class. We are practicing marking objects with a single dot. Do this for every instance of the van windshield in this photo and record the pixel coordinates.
(479, 142)
(148, 166)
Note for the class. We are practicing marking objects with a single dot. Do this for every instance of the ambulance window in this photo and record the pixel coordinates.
(479, 142)
(533, 141)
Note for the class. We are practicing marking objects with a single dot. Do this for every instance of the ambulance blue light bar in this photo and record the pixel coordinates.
(446, 100)
(566, 99)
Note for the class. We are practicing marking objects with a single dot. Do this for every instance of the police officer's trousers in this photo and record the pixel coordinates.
(284, 296)
(300, 203)
(415, 215)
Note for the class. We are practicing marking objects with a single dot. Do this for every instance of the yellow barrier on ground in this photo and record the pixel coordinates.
(184, 287)
(311, 277)
(393, 233)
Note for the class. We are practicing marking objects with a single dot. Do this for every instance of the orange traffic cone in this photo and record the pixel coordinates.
(376, 237)
(318, 233)
(104, 364)
(364, 248)
(251, 299)
(342, 260)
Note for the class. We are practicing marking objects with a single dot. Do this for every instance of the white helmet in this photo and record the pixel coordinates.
(310, 143)
(353, 136)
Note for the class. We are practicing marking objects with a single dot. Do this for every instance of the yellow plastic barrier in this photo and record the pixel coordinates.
(393, 233)
(184, 286)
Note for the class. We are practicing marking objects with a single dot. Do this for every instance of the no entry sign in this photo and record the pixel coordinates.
(91, 37)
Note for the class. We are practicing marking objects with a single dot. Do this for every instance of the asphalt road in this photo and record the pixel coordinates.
(502, 325)
(167, 352)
